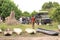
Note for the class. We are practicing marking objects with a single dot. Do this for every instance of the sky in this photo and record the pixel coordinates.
(31, 5)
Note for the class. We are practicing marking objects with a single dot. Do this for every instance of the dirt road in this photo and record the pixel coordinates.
(30, 38)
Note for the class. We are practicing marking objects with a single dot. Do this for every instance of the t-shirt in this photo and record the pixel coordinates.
(32, 19)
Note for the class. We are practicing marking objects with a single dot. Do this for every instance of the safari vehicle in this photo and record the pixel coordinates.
(44, 17)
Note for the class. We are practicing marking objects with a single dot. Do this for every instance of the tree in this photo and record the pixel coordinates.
(6, 6)
(55, 4)
(33, 13)
(26, 14)
(56, 15)
(49, 5)
(51, 12)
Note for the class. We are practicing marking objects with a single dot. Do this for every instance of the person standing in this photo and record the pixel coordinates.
(33, 21)
(20, 19)
(37, 21)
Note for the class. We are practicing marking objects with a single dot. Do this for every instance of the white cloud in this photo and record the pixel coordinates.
(30, 5)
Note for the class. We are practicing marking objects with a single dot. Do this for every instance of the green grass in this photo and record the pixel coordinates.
(24, 26)
(53, 26)
(3, 26)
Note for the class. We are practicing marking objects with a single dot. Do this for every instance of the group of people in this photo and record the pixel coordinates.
(24, 20)
(28, 20)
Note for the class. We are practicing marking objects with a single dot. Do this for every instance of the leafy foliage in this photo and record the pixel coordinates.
(56, 14)
(55, 4)
(49, 5)
(26, 14)
(33, 13)
(6, 6)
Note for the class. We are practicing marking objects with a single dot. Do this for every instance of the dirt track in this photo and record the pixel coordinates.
(30, 38)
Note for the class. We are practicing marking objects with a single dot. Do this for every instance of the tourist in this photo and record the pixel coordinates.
(33, 21)
(20, 19)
